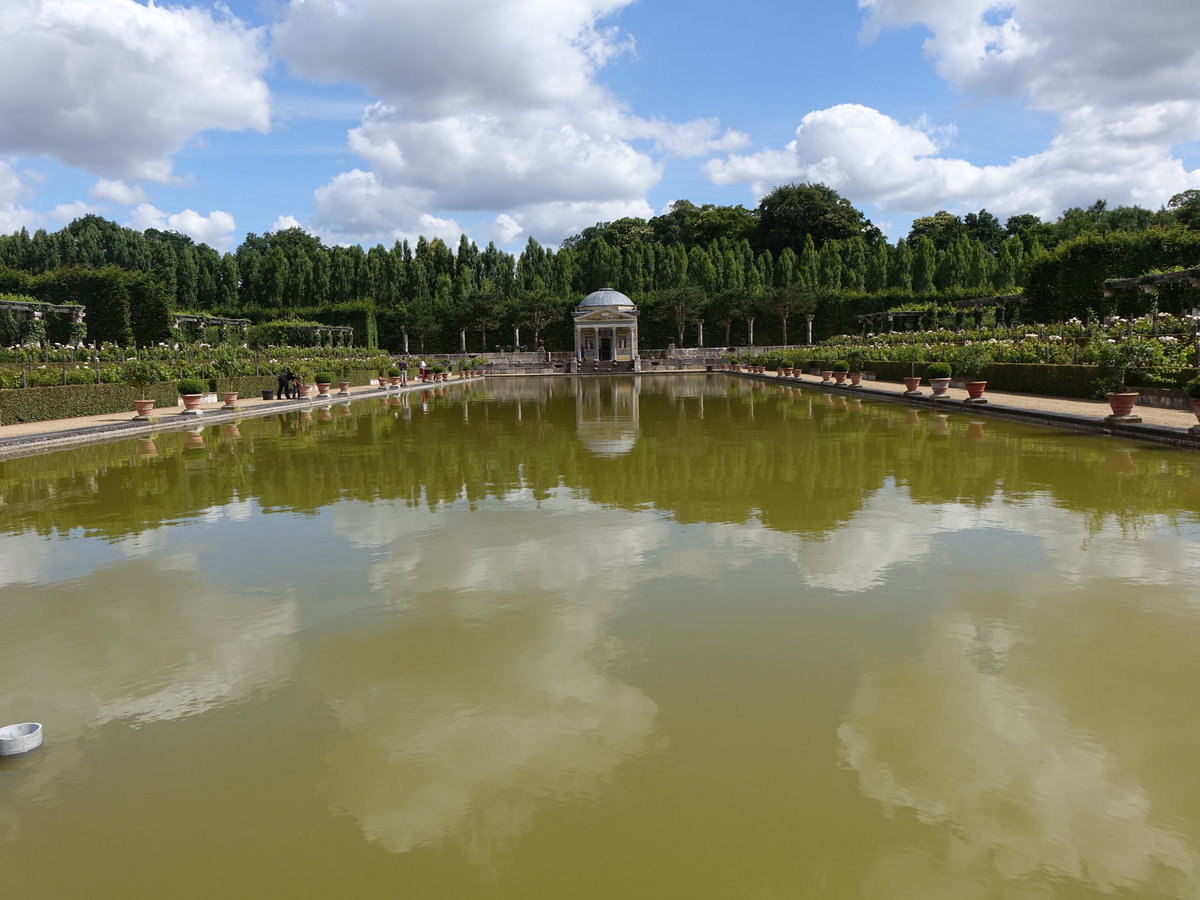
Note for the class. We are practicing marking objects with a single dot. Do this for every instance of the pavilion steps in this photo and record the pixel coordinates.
(606, 367)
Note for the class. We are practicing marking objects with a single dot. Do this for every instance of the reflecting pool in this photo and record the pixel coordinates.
(656, 637)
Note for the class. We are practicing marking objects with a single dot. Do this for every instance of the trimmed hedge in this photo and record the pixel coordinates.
(70, 400)
(1022, 378)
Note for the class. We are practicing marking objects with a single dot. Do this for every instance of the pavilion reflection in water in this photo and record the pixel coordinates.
(606, 414)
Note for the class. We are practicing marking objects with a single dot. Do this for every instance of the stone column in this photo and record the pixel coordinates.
(809, 320)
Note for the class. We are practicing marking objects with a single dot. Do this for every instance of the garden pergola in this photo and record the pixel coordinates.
(909, 319)
(1149, 284)
(34, 331)
(978, 304)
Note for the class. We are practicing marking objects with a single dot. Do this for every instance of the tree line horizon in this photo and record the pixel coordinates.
(712, 274)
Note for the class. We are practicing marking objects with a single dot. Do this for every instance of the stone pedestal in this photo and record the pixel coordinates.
(1122, 420)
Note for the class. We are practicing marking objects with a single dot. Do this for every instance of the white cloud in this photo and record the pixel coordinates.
(1125, 91)
(283, 223)
(68, 212)
(500, 115)
(117, 191)
(116, 87)
(358, 207)
(456, 54)
(215, 229)
(14, 216)
(506, 228)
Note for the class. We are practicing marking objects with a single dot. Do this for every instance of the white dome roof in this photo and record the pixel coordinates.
(606, 297)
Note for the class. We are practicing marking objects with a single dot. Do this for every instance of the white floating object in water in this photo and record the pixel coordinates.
(16, 739)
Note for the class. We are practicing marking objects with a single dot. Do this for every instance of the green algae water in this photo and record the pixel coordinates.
(657, 637)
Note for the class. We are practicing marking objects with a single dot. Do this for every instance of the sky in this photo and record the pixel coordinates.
(372, 121)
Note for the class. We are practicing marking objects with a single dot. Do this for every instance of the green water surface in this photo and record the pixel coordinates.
(657, 637)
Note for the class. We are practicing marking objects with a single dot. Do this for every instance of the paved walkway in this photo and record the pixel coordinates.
(23, 438)
(1161, 425)
(1170, 426)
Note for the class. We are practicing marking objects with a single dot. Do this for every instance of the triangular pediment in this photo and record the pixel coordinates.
(606, 316)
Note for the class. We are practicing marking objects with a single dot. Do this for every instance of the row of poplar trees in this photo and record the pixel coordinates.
(804, 248)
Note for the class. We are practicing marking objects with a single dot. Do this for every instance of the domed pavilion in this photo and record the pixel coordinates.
(606, 328)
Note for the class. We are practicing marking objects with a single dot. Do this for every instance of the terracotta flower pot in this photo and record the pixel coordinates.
(1122, 403)
(343, 387)
(229, 398)
(1196, 407)
(974, 389)
(191, 401)
(143, 408)
(394, 380)
(323, 388)
(826, 376)
(839, 377)
(911, 384)
(855, 378)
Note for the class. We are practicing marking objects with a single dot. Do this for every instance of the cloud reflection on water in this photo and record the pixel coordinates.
(497, 697)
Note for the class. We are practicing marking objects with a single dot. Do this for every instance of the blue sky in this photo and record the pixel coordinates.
(369, 121)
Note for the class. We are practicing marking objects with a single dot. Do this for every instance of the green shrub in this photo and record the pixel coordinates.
(1193, 387)
(67, 401)
(393, 372)
(970, 361)
(938, 370)
(141, 373)
(840, 366)
(191, 386)
(323, 378)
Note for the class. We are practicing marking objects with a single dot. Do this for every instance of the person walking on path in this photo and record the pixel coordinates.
(422, 370)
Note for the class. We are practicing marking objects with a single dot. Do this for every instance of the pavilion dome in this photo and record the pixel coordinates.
(606, 297)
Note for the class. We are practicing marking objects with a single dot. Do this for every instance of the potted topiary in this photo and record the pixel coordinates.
(938, 374)
(840, 369)
(191, 390)
(393, 377)
(970, 362)
(342, 370)
(323, 380)
(141, 374)
(854, 360)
